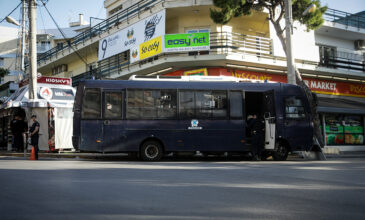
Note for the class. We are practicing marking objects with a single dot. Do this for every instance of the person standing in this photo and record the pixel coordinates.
(257, 130)
(18, 127)
(34, 135)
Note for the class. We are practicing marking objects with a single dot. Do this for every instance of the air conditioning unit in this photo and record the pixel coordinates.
(359, 45)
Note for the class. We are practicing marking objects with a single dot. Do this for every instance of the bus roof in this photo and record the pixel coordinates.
(153, 84)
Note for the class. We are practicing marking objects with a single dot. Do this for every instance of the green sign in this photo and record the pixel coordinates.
(187, 42)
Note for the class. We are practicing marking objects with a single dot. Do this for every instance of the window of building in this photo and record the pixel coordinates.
(115, 10)
(344, 129)
(91, 104)
(151, 104)
(294, 108)
(327, 55)
(113, 105)
(1, 62)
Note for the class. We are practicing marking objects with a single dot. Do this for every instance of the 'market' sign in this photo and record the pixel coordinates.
(187, 42)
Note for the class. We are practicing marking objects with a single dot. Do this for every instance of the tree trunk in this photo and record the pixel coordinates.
(313, 102)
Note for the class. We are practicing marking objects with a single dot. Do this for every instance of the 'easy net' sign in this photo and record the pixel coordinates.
(187, 42)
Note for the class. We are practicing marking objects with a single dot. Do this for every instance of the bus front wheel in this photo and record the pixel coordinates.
(281, 151)
(151, 151)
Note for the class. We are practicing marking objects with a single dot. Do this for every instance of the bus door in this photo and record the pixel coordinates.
(91, 122)
(269, 119)
(113, 126)
(297, 122)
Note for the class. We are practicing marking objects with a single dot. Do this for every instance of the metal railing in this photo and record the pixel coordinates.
(342, 60)
(353, 20)
(103, 26)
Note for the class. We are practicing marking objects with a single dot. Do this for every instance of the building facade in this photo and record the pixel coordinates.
(151, 37)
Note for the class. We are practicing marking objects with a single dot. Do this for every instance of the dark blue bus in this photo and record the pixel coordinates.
(157, 117)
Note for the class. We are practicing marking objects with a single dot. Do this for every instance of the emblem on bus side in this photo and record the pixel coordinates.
(194, 125)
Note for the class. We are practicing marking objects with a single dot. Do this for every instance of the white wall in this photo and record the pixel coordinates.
(304, 46)
(341, 44)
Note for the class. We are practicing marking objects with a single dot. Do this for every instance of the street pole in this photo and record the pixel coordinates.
(22, 50)
(289, 42)
(32, 50)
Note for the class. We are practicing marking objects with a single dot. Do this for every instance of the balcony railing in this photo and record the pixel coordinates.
(345, 18)
(342, 60)
(103, 26)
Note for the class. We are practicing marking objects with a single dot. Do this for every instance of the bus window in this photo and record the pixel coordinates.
(113, 105)
(211, 104)
(235, 100)
(187, 104)
(135, 103)
(167, 103)
(294, 108)
(151, 104)
(204, 104)
(220, 104)
(92, 104)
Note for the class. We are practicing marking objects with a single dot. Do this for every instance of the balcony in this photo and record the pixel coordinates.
(347, 19)
(342, 60)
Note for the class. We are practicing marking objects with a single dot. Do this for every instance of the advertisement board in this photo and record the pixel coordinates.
(150, 48)
(130, 37)
(187, 42)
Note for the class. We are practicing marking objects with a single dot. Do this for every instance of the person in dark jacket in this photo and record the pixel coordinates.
(256, 126)
(18, 127)
(34, 135)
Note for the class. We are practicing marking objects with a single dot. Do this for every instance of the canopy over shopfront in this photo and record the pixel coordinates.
(53, 108)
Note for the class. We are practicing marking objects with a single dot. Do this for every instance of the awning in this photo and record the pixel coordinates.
(340, 104)
(48, 96)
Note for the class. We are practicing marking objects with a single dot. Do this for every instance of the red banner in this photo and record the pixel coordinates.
(48, 80)
(54, 80)
(317, 85)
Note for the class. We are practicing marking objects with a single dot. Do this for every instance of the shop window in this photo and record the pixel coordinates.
(91, 104)
(113, 105)
(294, 108)
(344, 129)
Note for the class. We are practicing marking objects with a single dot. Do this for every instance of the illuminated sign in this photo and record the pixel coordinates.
(187, 42)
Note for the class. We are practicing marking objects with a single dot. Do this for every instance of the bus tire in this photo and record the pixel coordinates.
(151, 151)
(281, 151)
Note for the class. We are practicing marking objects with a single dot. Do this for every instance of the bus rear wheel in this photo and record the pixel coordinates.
(281, 151)
(151, 151)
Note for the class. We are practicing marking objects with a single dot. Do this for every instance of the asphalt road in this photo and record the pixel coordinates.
(82, 189)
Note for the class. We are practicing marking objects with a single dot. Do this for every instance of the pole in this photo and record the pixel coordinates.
(32, 50)
(289, 42)
(22, 50)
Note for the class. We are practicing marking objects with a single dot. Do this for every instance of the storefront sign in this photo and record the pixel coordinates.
(316, 85)
(54, 80)
(46, 93)
(132, 36)
(198, 72)
(150, 48)
(48, 80)
(187, 42)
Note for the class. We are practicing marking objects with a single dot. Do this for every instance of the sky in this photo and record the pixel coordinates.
(65, 11)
